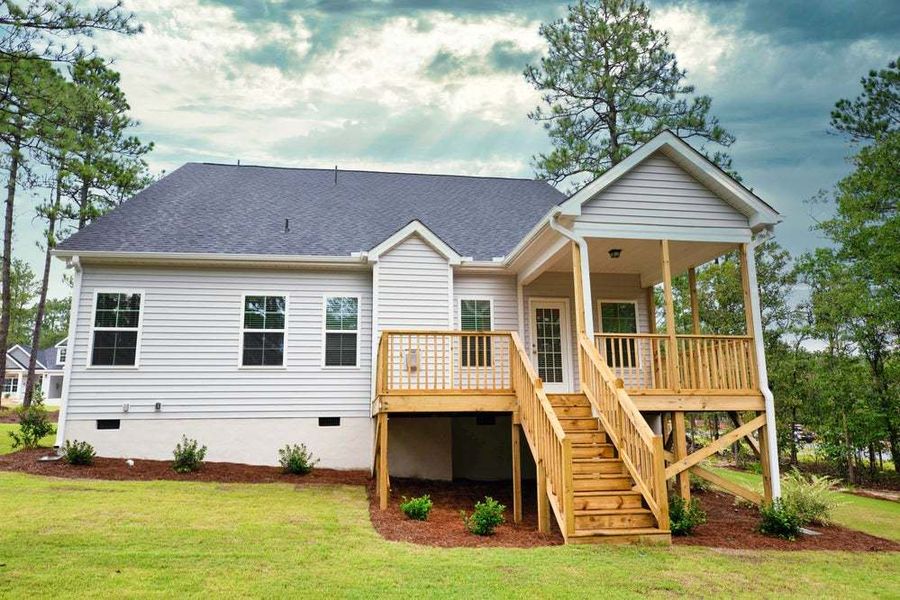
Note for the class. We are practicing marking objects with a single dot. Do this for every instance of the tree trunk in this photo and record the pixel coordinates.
(872, 461)
(83, 203)
(851, 471)
(42, 300)
(793, 436)
(6, 296)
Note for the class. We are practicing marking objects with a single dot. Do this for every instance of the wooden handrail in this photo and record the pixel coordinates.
(423, 362)
(699, 362)
(639, 448)
(544, 433)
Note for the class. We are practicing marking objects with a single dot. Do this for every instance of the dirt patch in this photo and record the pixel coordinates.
(9, 415)
(26, 461)
(891, 495)
(734, 527)
(444, 526)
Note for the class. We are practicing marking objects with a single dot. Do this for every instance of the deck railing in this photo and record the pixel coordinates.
(699, 362)
(444, 362)
(545, 434)
(639, 448)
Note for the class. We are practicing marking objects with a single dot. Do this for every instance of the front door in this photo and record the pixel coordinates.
(550, 347)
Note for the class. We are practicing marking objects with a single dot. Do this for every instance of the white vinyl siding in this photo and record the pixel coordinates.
(499, 289)
(190, 344)
(610, 287)
(659, 193)
(413, 287)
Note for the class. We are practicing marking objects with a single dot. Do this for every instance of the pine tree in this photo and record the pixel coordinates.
(610, 83)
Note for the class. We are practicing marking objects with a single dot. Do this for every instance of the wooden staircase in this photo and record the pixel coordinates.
(607, 508)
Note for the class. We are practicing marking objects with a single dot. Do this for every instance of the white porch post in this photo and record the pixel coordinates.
(749, 259)
(586, 288)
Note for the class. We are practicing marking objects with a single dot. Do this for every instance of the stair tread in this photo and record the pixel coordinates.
(623, 531)
(597, 459)
(600, 476)
(588, 493)
(637, 510)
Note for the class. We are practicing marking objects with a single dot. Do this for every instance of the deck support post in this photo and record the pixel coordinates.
(543, 503)
(516, 470)
(383, 477)
(680, 436)
(764, 462)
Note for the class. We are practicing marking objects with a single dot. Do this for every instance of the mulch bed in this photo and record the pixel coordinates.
(8, 415)
(26, 461)
(734, 526)
(445, 527)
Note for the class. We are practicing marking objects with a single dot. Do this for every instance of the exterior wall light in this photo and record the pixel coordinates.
(615, 253)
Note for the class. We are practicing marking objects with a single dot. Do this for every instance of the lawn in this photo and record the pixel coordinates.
(876, 517)
(6, 441)
(83, 538)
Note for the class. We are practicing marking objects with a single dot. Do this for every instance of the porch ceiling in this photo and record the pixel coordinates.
(642, 257)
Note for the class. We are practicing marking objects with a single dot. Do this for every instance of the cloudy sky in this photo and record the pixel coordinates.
(437, 86)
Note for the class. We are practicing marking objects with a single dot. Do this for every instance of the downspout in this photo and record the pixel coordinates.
(771, 438)
(70, 353)
(555, 225)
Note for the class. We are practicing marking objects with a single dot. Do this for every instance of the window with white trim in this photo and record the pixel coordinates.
(117, 317)
(61, 355)
(263, 331)
(619, 317)
(11, 385)
(475, 315)
(341, 331)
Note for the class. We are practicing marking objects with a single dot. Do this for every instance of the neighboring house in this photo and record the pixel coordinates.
(48, 371)
(421, 323)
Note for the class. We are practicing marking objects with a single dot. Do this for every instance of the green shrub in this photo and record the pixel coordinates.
(487, 516)
(779, 521)
(684, 517)
(810, 498)
(698, 484)
(417, 508)
(188, 455)
(78, 453)
(296, 459)
(34, 424)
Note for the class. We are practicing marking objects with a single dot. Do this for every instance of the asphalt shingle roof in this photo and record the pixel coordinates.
(225, 209)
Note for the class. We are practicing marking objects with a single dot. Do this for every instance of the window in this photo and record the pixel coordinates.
(11, 385)
(341, 330)
(61, 356)
(115, 337)
(619, 317)
(475, 315)
(263, 331)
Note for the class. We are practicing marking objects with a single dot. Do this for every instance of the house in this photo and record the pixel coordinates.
(427, 325)
(48, 372)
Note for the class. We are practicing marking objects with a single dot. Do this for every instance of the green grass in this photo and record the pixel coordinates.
(83, 538)
(6, 441)
(873, 516)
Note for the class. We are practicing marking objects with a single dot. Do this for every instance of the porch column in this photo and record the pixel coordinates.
(581, 272)
(695, 301)
(768, 445)
(672, 349)
(680, 438)
(516, 470)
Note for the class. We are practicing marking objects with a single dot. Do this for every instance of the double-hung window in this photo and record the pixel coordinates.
(61, 355)
(263, 331)
(11, 385)
(619, 317)
(117, 318)
(475, 315)
(341, 331)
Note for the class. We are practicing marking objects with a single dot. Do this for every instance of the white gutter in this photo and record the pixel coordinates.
(771, 438)
(585, 268)
(75, 263)
(356, 258)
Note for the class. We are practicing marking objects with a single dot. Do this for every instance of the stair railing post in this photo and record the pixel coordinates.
(659, 468)
(568, 492)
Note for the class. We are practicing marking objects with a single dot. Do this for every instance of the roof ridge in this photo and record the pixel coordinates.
(327, 170)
